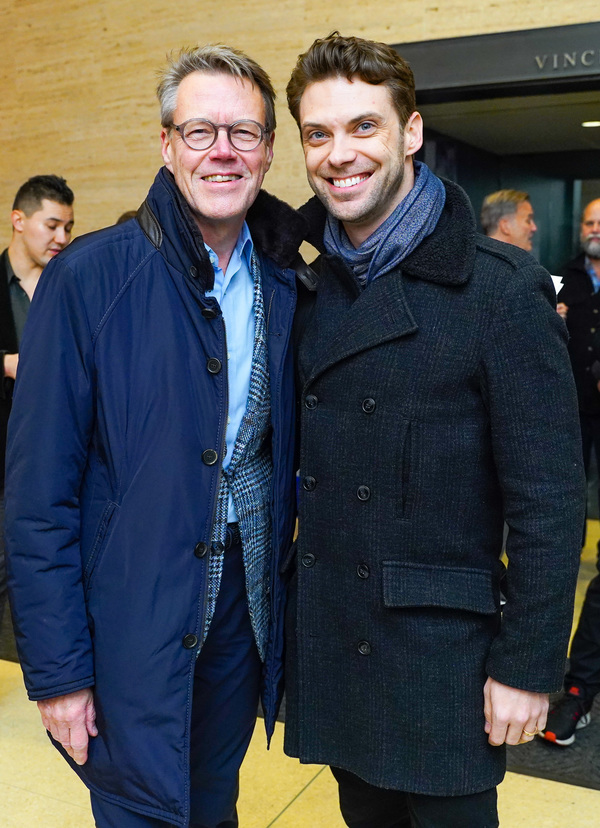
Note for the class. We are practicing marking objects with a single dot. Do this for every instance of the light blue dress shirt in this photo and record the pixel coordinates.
(234, 291)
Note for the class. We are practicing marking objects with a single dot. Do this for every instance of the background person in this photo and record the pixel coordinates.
(580, 296)
(42, 221)
(507, 215)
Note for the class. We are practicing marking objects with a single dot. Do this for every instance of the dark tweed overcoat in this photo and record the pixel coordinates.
(435, 404)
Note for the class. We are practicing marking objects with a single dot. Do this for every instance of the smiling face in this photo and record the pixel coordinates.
(220, 183)
(358, 159)
(44, 233)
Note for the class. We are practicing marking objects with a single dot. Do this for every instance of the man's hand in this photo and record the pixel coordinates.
(71, 721)
(562, 310)
(511, 715)
(11, 362)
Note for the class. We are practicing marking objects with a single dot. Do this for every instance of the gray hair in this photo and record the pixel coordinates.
(213, 59)
(499, 204)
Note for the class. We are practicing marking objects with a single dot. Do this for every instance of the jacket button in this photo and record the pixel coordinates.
(364, 648)
(309, 484)
(590, 348)
(308, 560)
(209, 313)
(194, 272)
(219, 546)
(363, 571)
(368, 405)
(213, 365)
(200, 549)
(595, 310)
(190, 641)
(311, 401)
(210, 457)
(363, 493)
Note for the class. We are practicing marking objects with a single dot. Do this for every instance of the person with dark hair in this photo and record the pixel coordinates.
(437, 402)
(507, 215)
(580, 298)
(150, 467)
(42, 221)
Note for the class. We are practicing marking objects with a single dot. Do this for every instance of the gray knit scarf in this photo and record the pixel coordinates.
(413, 220)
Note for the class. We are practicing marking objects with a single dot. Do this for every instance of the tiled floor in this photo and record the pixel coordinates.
(38, 789)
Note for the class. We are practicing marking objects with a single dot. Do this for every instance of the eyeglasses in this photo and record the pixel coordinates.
(201, 135)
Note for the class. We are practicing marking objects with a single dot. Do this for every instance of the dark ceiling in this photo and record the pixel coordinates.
(525, 125)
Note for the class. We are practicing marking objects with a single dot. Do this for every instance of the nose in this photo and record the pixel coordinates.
(222, 147)
(342, 151)
(533, 226)
(62, 236)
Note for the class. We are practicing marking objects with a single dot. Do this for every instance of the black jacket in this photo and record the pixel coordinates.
(8, 345)
(583, 323)
(436, 404)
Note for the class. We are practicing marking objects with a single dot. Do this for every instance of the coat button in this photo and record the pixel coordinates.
(200, 549)
(364, 648)
(363, 493)
(308, 560)
(363, 571)
(210, 457)
(311, 401)
(190, 641)
(194, 272)
(590, 348)
(595, 310)
(219, 546)
(213, 365)
(209, 313)
(368, 405)
(309, 484)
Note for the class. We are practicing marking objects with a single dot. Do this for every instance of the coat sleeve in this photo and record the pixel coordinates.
(49, 431)
(536, 441)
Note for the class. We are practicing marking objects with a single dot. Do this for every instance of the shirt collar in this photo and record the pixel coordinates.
(242, 252)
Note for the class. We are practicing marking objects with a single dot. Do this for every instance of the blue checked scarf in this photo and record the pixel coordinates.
(413, 220)
(249, 477)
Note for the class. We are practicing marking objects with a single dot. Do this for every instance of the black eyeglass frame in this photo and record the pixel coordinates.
(264, 132)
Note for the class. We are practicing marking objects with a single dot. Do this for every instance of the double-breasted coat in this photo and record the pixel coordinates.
(435, 404)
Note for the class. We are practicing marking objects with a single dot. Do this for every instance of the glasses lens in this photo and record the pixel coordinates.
(198, 134)
(245, 135)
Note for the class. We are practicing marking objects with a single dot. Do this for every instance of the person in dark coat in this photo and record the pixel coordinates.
(436, 401)
(42, 222)
(580, 304)
(150, 473)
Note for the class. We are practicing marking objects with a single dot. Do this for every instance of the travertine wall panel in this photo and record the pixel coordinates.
(77, 78)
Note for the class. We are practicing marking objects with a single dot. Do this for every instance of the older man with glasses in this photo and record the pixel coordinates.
(150, 466)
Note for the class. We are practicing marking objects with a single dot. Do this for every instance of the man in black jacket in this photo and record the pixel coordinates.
(437, 401)
(42, 221)
(580, 303)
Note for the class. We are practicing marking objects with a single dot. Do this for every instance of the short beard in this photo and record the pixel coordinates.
(591, 247)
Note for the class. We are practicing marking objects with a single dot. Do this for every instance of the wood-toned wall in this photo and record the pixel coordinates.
(77, 78)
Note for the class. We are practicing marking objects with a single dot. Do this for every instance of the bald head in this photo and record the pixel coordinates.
(589, 231)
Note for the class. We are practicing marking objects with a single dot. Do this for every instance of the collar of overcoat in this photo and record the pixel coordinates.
(381, 313)
(277, 229)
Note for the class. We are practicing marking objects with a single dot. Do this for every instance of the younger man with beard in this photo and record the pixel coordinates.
(580, 301)
(436, 402)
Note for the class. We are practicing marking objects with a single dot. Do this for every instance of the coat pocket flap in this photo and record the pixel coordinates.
(420, 585)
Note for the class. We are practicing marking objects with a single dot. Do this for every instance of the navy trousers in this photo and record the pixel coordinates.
(366, 806)
(226, 692)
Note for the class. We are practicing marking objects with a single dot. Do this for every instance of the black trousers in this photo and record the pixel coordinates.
(366, 806)
(584, 670)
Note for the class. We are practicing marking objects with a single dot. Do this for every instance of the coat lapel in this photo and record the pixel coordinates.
(379, 314)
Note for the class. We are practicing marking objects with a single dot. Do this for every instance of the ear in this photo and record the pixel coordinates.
(166, 148)
(413, 134)
(17, 218)
(269, 150)
(505, 226)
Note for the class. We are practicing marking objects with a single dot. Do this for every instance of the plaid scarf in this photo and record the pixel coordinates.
(248, 477)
